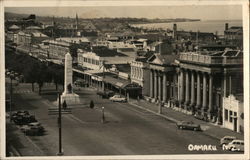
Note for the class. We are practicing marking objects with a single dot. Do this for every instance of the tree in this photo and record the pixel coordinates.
(43, 75)
(31, 73)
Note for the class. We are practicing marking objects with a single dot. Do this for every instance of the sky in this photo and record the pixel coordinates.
(207, 12)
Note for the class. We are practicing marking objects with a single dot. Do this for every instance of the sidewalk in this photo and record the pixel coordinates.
(18, 144)
(208, 128)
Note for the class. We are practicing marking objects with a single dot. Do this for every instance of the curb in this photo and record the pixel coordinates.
(14, 151)
(169, 118)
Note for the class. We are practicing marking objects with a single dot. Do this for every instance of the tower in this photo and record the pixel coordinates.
(175, 31)
(77, 22)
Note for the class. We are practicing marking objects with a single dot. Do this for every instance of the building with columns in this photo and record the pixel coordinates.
(196, 82)
(206, 77)
(163, 80)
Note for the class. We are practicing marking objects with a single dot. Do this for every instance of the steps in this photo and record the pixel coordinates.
(54, 111)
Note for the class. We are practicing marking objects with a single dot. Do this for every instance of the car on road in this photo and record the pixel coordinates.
(235, 145)
(226, 139)
(118, 98)
(188, 125)
(105, 94)
(34, 126)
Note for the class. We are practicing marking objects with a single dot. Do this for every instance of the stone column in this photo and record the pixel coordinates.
(178, 83)
(151, 84)
(204, 99)
(198, 99)
(192, 89)
(187, 88)
(164, 87)
(210, 101)
(181, 87)
(155, 84)
(159, 86)
(225, 85)
(174, 86)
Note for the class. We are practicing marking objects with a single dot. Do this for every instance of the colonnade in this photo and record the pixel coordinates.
(194, 89)
(198, 93)
(162, 86)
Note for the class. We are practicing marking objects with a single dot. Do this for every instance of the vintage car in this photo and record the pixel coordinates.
(188, 125)
(105, 94)
(118, 98)
(226, 139)
(33, 129)
(235, 145)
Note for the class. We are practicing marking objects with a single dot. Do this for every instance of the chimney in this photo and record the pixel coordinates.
(226, 26)
(174, 31)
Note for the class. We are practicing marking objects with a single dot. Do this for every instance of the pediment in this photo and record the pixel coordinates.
(155, 60)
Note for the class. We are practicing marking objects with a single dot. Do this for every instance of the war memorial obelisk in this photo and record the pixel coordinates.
(68, 95)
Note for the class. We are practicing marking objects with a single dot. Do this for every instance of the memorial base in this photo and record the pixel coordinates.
(70, 98)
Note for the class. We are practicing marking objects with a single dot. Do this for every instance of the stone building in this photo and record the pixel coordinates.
(233, 113)
(140, 74)
(197, 82)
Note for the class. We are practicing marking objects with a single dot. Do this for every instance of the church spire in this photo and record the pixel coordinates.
(77, 21)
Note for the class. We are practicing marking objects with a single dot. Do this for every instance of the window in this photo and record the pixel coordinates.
(230, 116)
(235, 114)
(226, 115)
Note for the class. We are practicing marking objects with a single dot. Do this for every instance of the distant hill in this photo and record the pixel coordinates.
(9, 15)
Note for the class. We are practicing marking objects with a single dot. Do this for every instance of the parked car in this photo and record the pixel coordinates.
(81, 83)
(34, 126)
(105, 94)
(226, 139)
(17, 114)
(199, 116)
(118, 98)
(235, 145)
(23, 118)
(188, 125)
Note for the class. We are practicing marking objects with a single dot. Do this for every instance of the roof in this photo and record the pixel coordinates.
(38, 34)
(123, 68)
(14, 27)
(105, 52)
(33, 27)
(73, 39)
(126, 49)
(157, 58)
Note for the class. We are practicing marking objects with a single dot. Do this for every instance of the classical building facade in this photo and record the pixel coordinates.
(197, 82)
(205, 78)
(140, 74)
(163, 82)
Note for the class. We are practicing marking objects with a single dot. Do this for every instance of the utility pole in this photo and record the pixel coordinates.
(60, 153)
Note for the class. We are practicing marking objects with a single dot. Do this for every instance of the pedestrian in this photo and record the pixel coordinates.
(91, 105)
(64, 105)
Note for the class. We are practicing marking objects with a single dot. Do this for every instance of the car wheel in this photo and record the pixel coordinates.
(180, 127)
(195, 129)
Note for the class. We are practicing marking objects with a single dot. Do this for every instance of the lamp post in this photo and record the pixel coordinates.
(60, 153)
(103, 117)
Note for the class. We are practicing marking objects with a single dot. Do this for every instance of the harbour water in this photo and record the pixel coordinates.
(212, 26)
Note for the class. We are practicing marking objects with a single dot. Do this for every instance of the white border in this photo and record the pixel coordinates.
(77, 3)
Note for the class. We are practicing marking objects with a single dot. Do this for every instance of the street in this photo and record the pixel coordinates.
(127, 130)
